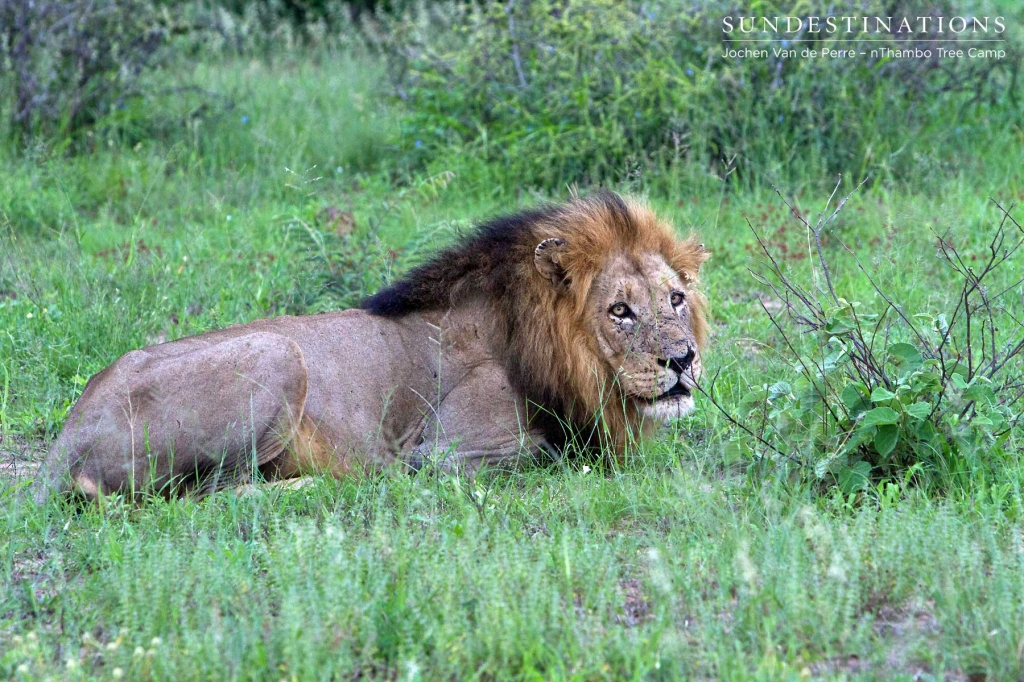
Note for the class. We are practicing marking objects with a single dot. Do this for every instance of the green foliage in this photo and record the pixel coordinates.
(308, 16)
(345, 267)
(66, 65)
(594, 91)
(892, 394)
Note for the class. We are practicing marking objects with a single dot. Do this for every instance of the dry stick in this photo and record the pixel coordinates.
(784, 297)
(863, 353)
(1007, 216)
(1008, 289)
(777, 271)
(1006, 213)
(995, 365)
(947, 336)
(1009, 355)
(924, 342)
(969, 347)
(994, 246)
(1009, 349)
(987, 305)
(819, 229)
(515, 45)
(819, 226)
(963, 302)
(799, 358)
(973, 283)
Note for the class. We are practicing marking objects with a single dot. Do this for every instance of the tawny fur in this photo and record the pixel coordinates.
(499, 347)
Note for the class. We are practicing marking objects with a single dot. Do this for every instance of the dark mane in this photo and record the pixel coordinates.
(483, 260)
(479, 260)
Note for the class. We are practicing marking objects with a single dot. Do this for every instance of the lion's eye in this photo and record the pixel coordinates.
(619, 310)
(677, 299)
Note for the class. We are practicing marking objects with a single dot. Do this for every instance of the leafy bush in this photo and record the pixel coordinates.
(890, 393)
(66, 64)
(595, 90)
(303, 14)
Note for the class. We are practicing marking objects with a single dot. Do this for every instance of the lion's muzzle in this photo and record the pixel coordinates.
(682, 366)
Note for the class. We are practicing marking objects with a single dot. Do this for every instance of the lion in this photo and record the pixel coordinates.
(579, 323)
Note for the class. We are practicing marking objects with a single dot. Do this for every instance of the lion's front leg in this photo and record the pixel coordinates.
(481, 422)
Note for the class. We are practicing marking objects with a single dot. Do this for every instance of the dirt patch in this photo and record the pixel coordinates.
(19, 459)
(636, 607)
(902, 630)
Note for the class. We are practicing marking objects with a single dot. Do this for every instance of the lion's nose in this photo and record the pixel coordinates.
(681, 363)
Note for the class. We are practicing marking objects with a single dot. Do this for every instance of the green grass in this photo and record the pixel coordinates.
(681, 563)
(661, 570)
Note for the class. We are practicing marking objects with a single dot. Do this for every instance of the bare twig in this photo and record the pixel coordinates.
(821, 224)
(516, 61)
(709, 394)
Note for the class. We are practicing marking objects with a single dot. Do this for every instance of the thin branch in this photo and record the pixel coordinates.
(709, 394)
(516, 61)
(819, 227)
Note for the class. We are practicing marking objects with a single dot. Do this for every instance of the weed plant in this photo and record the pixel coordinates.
(888, 391)
(594, 91)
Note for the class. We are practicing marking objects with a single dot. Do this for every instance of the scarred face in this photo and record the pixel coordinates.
(640, 308)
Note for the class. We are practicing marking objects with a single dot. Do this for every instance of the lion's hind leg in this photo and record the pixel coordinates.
(197, 414)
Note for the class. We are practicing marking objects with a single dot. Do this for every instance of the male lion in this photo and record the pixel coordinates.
(573, 321)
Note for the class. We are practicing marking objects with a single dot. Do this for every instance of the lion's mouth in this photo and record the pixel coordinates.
(678, 390)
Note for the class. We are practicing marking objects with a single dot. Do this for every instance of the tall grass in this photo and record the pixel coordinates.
(558, 574)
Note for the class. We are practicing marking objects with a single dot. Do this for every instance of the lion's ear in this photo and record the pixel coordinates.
(702, 254)
(547, 258)
(689, 256)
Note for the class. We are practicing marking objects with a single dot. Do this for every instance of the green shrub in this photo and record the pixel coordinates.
(887, 392)
(595, 90)
(303, 14)
(67, 64)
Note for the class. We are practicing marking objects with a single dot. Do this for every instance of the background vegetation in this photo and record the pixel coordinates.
(171, 169)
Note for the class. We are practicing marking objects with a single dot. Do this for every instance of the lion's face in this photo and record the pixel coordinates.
(640, 310)
(629, 310)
